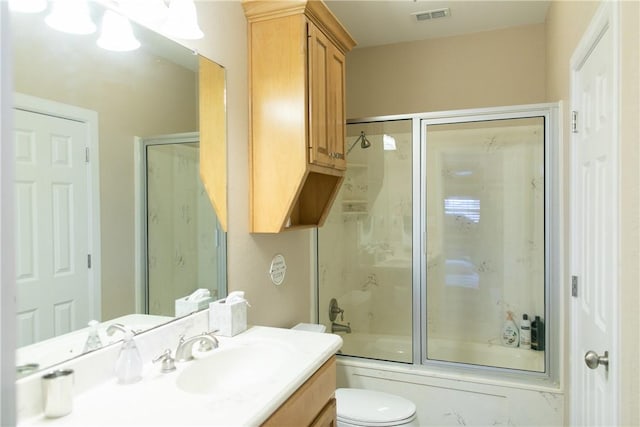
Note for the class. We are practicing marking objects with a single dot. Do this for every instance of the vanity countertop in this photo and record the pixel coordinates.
(278, 361)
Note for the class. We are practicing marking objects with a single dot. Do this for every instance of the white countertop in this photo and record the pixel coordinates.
(157, 400)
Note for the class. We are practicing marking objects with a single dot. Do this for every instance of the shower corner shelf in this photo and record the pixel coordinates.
(355, 207)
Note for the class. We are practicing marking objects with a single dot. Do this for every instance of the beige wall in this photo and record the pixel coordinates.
(493, 68)
(566, 22)
(630, 208)
(249, 255)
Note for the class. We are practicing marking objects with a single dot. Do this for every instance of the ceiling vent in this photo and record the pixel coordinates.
(432, 14)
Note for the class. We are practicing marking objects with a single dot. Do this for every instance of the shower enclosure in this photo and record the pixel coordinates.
(184, 247)
(365, 248)
(443, 229)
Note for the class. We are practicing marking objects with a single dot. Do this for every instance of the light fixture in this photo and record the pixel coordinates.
(182, 21)
(116, 33)
(388, 142)
(71, 16)
(27, 6)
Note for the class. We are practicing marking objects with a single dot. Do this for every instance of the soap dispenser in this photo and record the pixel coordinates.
(129, 363)
(93, 340)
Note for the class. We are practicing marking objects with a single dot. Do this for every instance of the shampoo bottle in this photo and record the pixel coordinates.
(510, 334)
(129, 363)
(525, 332)
(537, 334)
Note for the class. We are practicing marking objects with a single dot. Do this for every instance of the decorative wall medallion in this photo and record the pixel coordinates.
(278, 269)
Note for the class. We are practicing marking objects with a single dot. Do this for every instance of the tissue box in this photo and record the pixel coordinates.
(228, 319)
(184, 307)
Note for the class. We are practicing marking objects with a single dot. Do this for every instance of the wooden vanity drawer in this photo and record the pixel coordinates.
(311, 404)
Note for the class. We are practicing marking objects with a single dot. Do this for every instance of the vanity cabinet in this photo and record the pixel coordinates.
(297, 112)
(313, 404)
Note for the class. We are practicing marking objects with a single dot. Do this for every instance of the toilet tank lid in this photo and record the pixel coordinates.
(374, 407)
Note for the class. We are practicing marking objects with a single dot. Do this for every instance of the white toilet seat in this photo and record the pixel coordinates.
(359, 407)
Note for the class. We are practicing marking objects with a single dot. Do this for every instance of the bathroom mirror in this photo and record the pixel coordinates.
(87, 223)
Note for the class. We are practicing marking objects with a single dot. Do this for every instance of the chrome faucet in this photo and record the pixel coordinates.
(337, 327)
(168, 362)
(184, 352)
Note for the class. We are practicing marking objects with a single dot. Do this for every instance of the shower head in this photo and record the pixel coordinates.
(364, 142)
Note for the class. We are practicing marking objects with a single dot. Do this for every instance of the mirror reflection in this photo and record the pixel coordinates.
(82, 116)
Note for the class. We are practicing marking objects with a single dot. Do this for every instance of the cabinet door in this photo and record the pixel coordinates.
(326, 101)
(336, 108)
(326, 417)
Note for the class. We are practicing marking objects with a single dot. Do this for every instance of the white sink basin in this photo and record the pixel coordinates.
(235, 367)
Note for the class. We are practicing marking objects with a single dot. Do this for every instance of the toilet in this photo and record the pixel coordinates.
(358, 407)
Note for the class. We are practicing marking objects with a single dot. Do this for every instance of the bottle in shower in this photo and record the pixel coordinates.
(525, 332)
(510, 333)
(537, 334)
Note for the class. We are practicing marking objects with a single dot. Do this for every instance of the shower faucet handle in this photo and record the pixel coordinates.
(334, 310)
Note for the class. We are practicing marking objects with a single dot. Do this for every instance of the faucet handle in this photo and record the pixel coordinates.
(168, 363)
(206, 345)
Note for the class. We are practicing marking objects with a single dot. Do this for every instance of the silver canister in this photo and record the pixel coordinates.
(57, 393)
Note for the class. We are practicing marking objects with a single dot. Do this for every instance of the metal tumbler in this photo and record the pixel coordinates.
(57, 393)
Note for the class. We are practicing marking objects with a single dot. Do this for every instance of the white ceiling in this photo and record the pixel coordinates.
(373, 23)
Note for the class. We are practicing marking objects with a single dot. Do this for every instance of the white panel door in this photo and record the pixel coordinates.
(594, 228)
(52, 226)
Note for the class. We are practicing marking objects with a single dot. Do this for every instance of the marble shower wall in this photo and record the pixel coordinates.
(181, 227)
(365, 245)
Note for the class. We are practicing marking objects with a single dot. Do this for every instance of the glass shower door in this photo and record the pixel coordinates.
(485, 246)
(365, 247)
(184, 242)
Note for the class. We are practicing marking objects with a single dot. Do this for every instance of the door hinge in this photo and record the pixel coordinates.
(89, 261)
(86, 154)
(574, 121)
(574, 286)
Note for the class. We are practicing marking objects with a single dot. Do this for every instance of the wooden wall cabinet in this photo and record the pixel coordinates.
(313, 404)
(297, 112)
(213, 136)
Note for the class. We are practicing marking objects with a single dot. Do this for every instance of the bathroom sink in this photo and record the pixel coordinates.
(233, 368)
